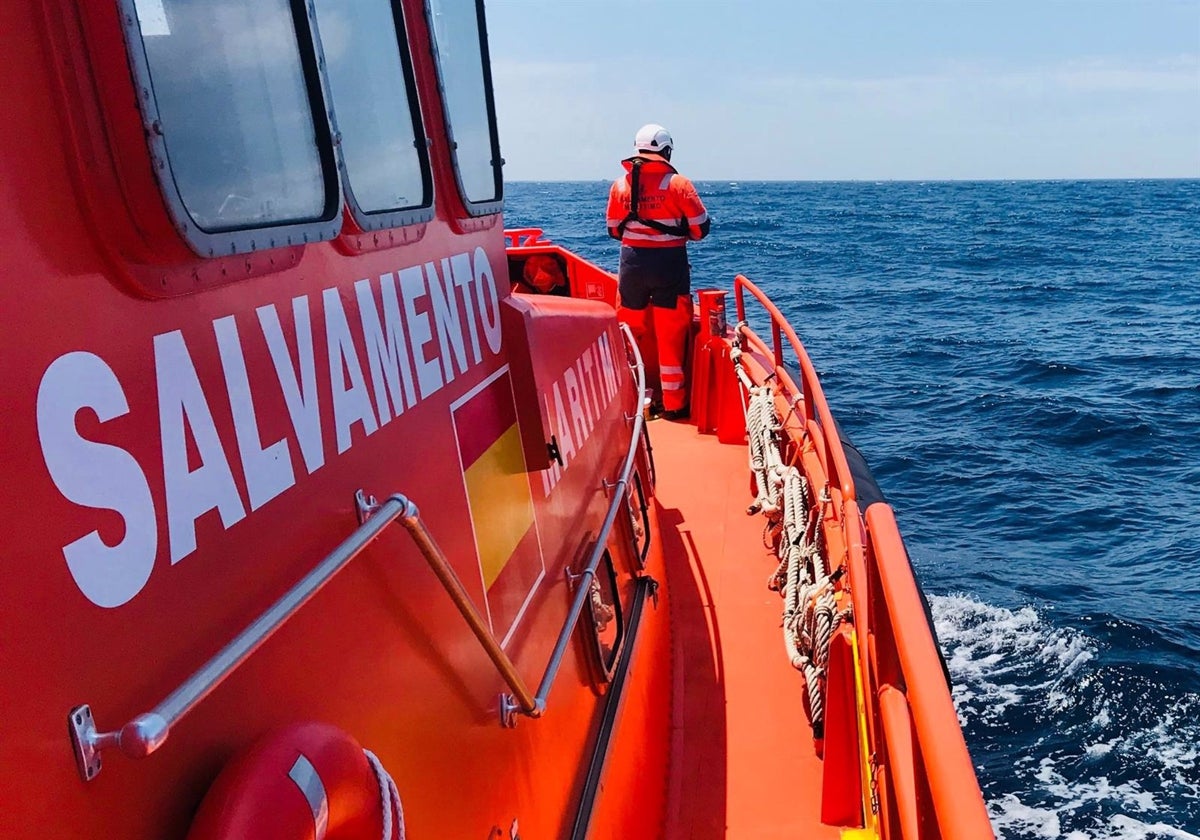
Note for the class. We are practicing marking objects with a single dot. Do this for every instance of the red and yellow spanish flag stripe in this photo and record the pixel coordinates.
(498, 490)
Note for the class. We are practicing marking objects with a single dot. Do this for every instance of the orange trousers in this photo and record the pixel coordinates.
(666, 355)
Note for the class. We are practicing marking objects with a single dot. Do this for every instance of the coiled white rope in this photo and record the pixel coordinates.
(389, 798)
(602, 611)
(765, 461)
(793, 550)
(809, 603)
(810, 610)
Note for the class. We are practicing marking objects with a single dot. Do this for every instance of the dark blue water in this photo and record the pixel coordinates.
(1020, 364)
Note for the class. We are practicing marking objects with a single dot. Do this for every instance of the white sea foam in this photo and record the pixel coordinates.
(1123, 781)
(997, 657)
(1013, 818)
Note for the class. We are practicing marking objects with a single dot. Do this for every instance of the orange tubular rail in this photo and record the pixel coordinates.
(901, 762)
(524, 237)
(832, 455)
(587, 280)
(954, 792)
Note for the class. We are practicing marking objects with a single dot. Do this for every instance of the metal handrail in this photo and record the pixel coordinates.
(508, 704)
(524, 237)
(440, 565)
(147, 732)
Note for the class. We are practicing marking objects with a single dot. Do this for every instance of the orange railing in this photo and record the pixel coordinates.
(914, 750)
(914, 699)
(833, 457)
(587, 280)
(524, 237)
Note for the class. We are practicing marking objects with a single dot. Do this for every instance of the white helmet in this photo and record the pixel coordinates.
(653, 138)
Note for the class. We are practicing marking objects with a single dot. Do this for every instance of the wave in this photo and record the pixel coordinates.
(1071, 740)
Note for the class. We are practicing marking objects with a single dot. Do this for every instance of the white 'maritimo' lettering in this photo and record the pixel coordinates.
(413, 347)
(582, 428)
(566, 441)
(586, 368)
(590, 384)
(607, 367)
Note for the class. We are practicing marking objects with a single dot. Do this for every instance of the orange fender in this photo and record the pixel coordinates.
(308, 780)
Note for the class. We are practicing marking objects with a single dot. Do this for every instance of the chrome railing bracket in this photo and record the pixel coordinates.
(84, 741)
(364, 506)
(509, 709)
(574, 581)
(137, 739)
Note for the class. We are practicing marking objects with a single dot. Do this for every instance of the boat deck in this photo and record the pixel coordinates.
(731, 776)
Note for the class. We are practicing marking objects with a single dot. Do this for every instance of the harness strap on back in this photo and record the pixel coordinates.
(635, 198)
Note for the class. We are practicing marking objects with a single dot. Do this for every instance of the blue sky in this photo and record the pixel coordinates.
(889, 89)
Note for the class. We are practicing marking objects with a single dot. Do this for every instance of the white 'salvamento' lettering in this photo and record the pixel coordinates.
(387, 349)
(351, 403)
(429, 371)
(182, 406)
(96, 475)
(414, 346)
(299, 388)
(268, 470)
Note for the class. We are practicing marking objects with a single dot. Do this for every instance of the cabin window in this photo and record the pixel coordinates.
(378, 118)
(639, 519)
(232, 114)
(606, 618)
(460, 39)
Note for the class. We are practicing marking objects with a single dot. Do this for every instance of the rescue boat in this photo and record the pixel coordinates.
(316, 529)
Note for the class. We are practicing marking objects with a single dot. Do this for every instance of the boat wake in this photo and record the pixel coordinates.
(1072, 739)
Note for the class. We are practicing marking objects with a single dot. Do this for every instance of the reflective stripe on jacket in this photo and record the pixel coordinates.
(665, 197)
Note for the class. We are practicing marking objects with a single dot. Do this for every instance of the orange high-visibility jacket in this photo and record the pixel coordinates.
(666, 199)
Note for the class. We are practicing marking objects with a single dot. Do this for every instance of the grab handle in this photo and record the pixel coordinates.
(149, 731)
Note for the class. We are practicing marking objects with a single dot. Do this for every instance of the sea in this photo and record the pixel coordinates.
(1019, 362)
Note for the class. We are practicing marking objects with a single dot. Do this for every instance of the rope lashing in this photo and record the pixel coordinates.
(389, 797)
(802, 577)
(602, 611)
(766, 463)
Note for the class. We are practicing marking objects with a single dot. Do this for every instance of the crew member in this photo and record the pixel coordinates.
(654, 211)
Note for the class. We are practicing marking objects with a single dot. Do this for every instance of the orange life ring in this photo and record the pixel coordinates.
(307, 780)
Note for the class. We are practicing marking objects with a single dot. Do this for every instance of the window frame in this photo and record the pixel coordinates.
(638, 515)
(473, 208)
(243, 240)
(384, 219)
(605, 670)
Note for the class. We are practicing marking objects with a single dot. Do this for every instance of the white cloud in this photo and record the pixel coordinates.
(1082, 118)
